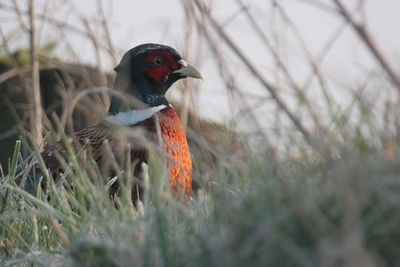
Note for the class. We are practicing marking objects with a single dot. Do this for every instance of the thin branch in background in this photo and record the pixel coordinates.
(343, 117)
(236, 14)
(96, 47)
(197, 52)
(184, 114)
(50, 20)
(299, 92)
(19, 14)
(320, 5)
(65, 30)
(40, 30)
(278, 125)
(107, 35)
(36, 106)
(313, 64)
(228, 77)
(366, 37)
(203, 9)
(320, 58)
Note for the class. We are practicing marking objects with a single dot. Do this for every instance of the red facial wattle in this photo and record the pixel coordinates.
(159, 73)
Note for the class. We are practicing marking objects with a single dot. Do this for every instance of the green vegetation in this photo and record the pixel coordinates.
(252, 210)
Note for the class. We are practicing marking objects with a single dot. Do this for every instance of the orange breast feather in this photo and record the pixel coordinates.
(176, 146)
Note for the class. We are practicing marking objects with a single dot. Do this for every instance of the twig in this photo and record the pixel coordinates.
(313, 64)
(110, 46)
(363, 33)
(253, 70)
(228, 76)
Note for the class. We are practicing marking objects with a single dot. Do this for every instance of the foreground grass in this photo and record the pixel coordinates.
(254, 210)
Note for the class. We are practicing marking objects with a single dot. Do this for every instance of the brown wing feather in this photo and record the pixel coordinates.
(102, 139)
(92, 137)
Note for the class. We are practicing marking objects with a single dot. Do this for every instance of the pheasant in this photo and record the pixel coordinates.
(143, 76)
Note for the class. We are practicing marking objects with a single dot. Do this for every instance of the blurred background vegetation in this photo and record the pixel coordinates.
(302, 170)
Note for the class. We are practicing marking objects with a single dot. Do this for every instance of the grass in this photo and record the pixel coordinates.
(252, 210)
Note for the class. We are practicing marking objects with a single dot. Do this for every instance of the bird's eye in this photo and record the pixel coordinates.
(158, 60)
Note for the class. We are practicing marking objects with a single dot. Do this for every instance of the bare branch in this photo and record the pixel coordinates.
(271, 89)
(363, 33)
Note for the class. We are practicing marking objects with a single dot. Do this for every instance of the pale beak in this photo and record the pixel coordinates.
(188, 71)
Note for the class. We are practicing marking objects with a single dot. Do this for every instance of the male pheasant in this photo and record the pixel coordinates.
(144, 75)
